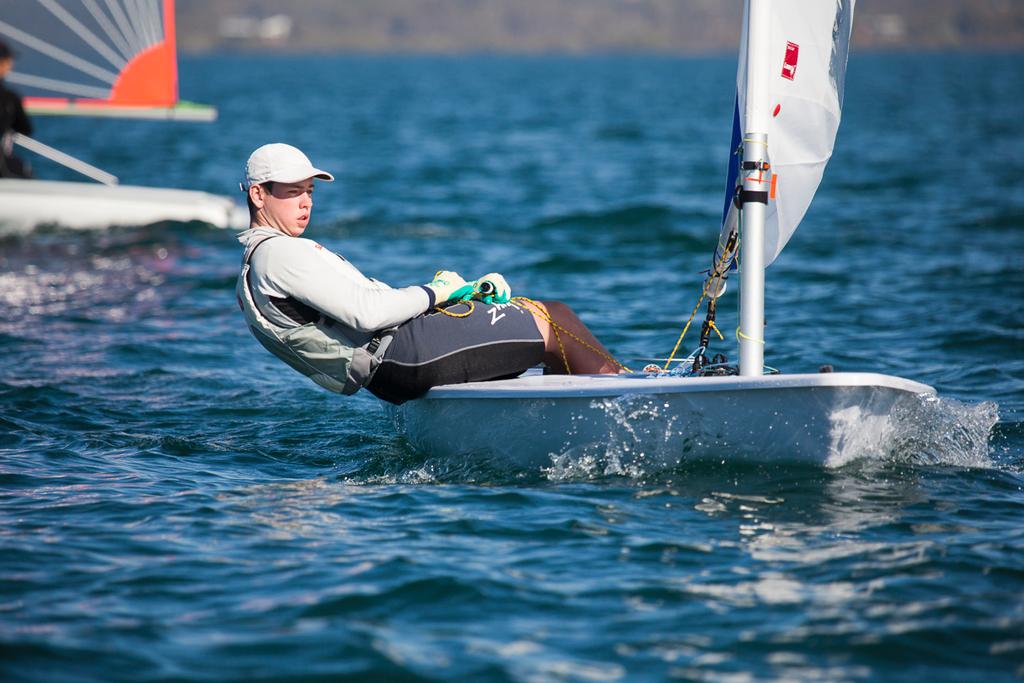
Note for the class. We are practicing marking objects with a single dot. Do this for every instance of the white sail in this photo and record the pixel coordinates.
(809, 44)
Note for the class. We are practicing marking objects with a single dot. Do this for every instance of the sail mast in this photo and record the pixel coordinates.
(756, 182)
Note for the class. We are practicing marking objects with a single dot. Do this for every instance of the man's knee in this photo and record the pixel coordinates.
(557, 310)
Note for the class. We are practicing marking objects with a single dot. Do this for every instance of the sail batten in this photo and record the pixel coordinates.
(57, 53)
(62, 87)
(124, 26)
(120, 21)
(94, 42)
(108, 28)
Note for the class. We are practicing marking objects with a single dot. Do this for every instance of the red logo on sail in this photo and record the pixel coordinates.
(789, 62)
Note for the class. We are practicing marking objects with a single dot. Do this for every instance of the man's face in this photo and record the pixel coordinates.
(285, 206)
(5, 66)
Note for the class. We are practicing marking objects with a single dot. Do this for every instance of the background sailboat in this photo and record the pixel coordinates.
(85, 58)
(119, 59)
(791, 70)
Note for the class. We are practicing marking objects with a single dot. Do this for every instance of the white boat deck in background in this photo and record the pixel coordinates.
(26, 204)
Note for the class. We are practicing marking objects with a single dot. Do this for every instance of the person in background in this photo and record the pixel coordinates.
(13, 119)
(318, 313)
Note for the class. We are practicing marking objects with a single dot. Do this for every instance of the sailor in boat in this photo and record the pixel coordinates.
(13, 119)
(318, 313)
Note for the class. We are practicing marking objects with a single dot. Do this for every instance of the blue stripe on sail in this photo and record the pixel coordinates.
(730, 183)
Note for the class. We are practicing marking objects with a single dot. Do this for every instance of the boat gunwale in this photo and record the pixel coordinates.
(610, 386)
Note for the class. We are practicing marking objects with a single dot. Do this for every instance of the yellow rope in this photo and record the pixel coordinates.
(556, 328)
(457, 315)
(716, 279)
(542, 312)
(740, 335)
(686, 328)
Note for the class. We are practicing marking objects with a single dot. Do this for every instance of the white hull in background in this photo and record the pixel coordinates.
(536, 420)
(26, 204)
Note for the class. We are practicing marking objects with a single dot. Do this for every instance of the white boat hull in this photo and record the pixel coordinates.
(537, 420)
(26, 204)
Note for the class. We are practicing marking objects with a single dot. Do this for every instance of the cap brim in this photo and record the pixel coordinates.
(295, 175)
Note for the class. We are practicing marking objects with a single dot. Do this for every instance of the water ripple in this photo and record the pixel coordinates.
(176, 505)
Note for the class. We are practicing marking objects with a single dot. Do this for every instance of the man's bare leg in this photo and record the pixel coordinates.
(582, 360)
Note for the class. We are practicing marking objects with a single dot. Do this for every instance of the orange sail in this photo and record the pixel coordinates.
(84, 60)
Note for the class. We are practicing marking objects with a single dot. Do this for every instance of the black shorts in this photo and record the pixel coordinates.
(495, 341)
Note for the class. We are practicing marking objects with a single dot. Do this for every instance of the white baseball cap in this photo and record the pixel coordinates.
(280, 163)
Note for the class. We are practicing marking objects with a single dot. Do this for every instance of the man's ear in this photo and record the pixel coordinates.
(257, 193)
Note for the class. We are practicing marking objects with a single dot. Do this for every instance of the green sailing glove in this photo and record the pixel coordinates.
(492, 289)
(448, 285)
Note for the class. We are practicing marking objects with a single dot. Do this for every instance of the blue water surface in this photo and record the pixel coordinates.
(177, 505)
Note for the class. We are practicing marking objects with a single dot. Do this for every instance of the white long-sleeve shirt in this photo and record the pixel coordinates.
(304, 270)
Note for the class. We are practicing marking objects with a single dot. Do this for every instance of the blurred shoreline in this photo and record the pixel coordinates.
(542, 27)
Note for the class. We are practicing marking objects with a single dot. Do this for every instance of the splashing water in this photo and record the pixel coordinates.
(645, 437)
(944, 431)
(177, 504)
